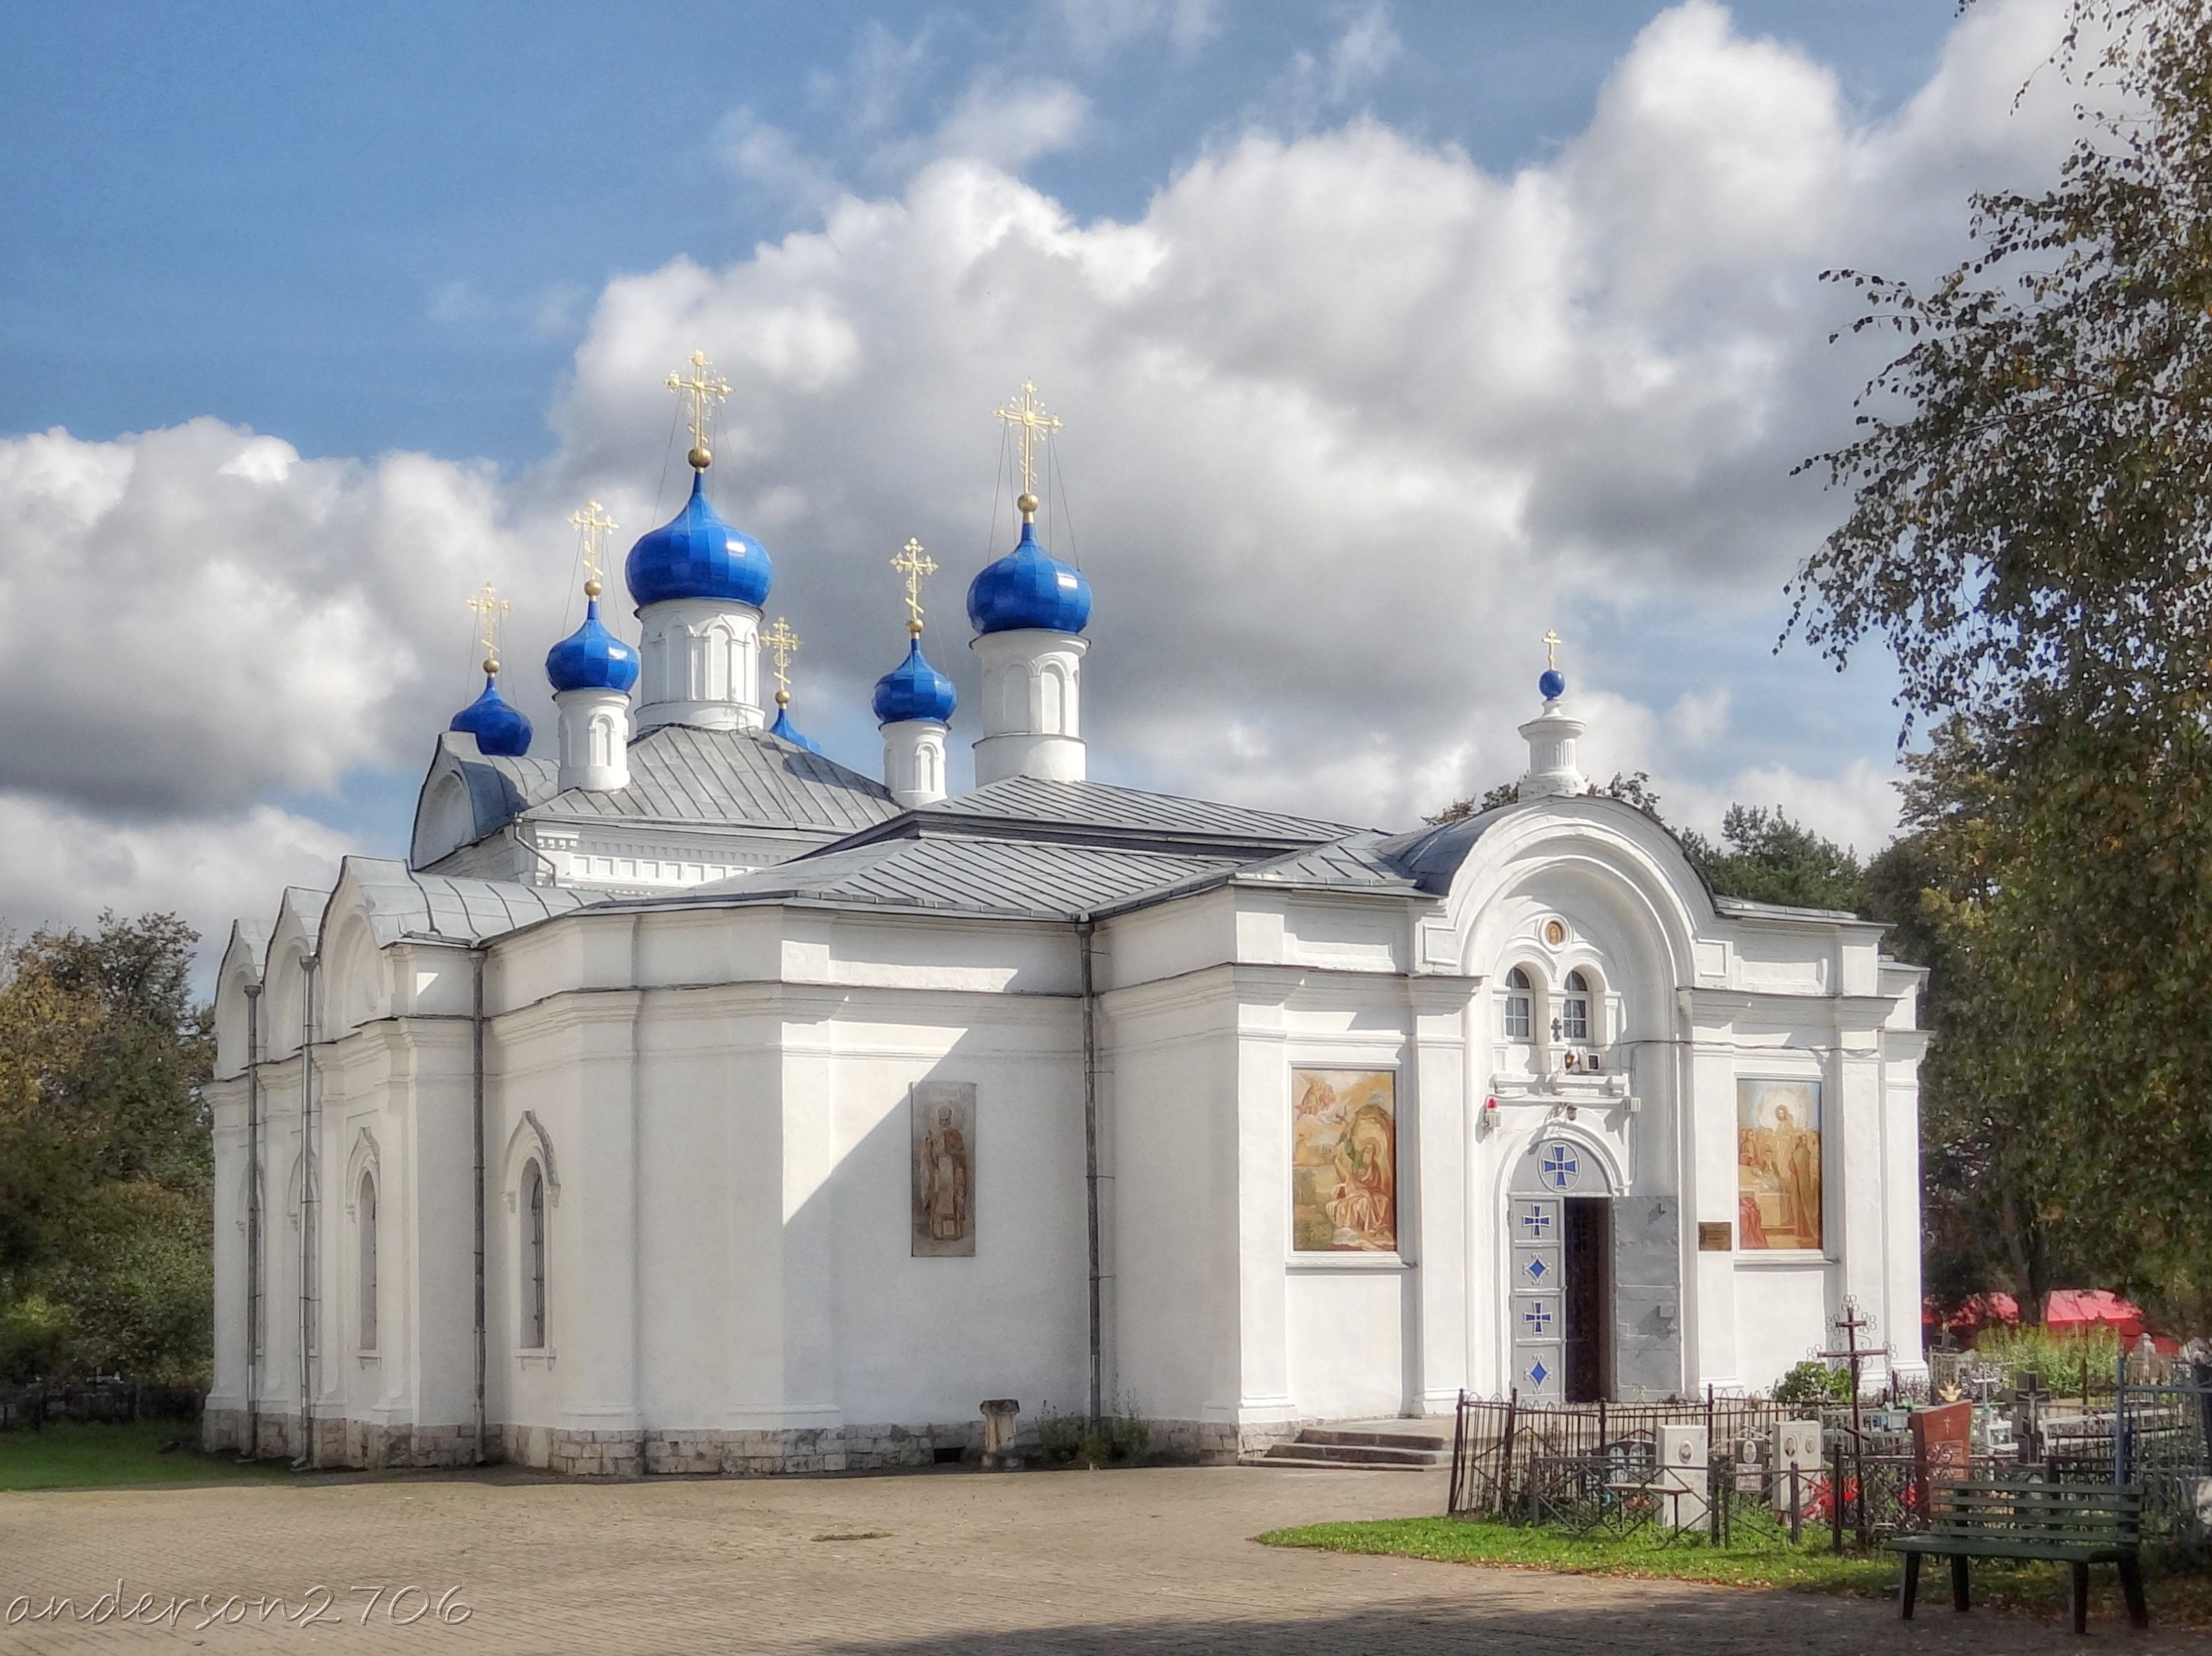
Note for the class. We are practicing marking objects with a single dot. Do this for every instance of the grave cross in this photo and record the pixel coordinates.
(1849, 1325)
(2028, 1397)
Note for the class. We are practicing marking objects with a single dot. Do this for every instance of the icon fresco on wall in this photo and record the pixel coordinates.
(1344, 1160)
(1778, 1159)
(943, 1125)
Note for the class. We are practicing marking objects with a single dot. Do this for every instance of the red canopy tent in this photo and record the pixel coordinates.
(2073, 1311)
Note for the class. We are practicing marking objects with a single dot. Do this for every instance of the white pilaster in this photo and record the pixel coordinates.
(1032, 705)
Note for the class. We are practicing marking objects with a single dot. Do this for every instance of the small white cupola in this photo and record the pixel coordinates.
(592, 673)
(1028, 611)
(1551, 737)
(914, 701)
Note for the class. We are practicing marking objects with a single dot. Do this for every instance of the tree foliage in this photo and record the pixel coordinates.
(2030, 529)
(105, 1155)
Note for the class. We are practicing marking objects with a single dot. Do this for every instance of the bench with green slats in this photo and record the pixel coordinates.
(2077, 1524)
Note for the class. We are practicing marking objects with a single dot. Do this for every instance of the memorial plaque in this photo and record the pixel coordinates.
(1716, 1239)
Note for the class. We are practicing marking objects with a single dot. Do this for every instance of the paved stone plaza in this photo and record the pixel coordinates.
(1034, 1562)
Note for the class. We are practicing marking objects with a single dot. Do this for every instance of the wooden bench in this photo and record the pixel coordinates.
(2077, 1524)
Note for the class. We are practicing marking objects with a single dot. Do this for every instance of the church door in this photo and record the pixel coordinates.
(1561, 1266)
(1588, 1299)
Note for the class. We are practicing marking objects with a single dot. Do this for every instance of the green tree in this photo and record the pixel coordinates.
(2029, 531)
(105, 1155)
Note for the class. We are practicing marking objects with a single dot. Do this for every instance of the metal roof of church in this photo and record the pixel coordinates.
(400, 902)
(1026, 799)
(962, 873)
(680, 773)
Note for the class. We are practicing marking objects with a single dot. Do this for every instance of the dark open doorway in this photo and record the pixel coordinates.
(1588, 1299)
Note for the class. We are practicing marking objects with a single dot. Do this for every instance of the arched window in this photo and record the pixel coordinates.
(1575, 1008)
(533, 1256)
(366, 1229)
(1520, 1007)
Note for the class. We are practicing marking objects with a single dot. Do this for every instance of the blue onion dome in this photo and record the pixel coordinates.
(1553, 684)
(500, 730)
(915, 690)
(697, 555)
(1028, 587)
(790, 733)
(592, 658)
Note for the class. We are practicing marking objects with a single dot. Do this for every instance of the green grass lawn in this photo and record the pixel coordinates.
(74, 1457)
(1998, 1584)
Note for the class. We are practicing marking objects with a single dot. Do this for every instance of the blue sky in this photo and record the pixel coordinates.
(379, 226)
(1387, 334)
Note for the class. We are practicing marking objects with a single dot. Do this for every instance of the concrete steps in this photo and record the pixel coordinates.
(1355, 1448)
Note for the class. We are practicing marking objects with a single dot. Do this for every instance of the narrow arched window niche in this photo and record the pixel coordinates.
(532, 1283)
(365, 1227)
(1575, 1023)
(1519, 1007)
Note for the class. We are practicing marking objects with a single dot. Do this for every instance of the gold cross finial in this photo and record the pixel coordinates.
(912, 563)
(489, 606)
(1551, 643)
(782, 643)
(593, 523)
(1033, 424)
(702, 390)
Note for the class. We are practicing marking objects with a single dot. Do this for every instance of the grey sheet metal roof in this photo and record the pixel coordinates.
(735, 778)
(965, 874)
(1026, 801)
(400, 903)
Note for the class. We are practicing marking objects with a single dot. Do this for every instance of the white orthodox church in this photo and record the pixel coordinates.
(689, 1102)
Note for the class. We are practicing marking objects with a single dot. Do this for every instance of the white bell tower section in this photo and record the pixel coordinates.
(1550, 736)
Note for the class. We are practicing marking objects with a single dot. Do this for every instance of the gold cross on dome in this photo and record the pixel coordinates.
(1033, 425)
(782, 644)
(702, 390)
(914, 565)
(1550, 640)
(489, 606)
(592, 524)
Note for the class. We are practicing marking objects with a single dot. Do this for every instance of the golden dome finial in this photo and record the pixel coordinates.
(702, 390)
(912, 562)
(782, 644)
(489, 606)
(1031, 426)
(592, 527)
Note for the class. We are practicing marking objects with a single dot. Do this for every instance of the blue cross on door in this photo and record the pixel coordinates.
(1560, 1167)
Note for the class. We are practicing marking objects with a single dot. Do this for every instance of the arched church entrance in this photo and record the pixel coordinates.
(1560, 1215)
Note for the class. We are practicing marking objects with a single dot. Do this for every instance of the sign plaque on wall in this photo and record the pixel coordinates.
(1716, 1239)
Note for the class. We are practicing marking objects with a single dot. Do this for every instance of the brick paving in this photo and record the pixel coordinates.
(969, 1563)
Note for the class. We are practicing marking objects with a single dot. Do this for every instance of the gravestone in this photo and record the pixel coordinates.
(1942, 1440)
(1683, 1461)
(1796, 1444)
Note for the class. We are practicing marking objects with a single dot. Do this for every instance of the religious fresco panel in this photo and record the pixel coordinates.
(944, 1126)
(1344, 1160)
(1777, 1158)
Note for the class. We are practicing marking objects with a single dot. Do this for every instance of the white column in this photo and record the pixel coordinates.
(1032, 705)
(702, 664)
(594, 739)
(914, 762)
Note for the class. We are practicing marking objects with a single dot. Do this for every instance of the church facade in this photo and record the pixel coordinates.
(690, 1102)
